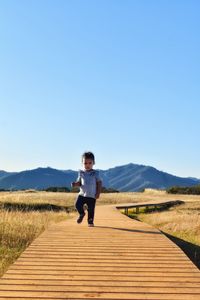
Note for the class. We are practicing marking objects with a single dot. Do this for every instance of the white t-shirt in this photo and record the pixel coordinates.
(88, 180)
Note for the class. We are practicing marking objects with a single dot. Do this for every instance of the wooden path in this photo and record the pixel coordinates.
(118, 259)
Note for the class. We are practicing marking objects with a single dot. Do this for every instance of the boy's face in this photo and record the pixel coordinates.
(88, 163)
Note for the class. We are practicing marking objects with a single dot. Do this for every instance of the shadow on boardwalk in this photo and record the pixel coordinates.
(129, 230)
(191, 250)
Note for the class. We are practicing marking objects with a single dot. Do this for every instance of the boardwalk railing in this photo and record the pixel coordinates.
(156, 205)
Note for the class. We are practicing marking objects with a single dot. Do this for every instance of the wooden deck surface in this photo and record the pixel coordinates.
(119, 258)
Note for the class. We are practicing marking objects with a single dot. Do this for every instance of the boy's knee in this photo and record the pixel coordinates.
(76, 205)
(79, 202)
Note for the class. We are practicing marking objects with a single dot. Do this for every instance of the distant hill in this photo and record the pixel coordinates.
(133, 177)
(4, 173)
(130, 177)
(39, 179)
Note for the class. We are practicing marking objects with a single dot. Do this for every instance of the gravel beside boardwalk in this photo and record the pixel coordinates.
(119, 258)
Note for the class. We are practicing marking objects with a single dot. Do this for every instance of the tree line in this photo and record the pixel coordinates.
(186, 190)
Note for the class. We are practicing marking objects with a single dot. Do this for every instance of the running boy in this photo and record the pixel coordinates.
(90, 188)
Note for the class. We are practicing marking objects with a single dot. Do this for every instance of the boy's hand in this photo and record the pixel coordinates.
(97, 196)
(75, 183)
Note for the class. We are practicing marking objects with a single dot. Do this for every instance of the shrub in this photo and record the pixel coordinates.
(192, 190)
(109, 190)
(57, 189)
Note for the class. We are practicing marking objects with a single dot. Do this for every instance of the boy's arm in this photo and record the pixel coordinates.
(77, 182)
(98, 191)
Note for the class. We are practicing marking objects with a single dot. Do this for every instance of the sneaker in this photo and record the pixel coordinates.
(80, 218)
(91, 225)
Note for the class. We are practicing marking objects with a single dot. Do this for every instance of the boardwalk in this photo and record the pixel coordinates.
(118, 259)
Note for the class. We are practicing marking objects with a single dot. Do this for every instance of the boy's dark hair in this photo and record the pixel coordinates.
(88, 155)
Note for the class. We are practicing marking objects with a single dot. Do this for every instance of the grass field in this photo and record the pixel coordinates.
(19, 228)
(182, 221)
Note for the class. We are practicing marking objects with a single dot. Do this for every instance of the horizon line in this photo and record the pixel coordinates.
(117, 166)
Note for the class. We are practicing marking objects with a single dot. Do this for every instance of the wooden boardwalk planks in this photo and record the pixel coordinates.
(117, 259)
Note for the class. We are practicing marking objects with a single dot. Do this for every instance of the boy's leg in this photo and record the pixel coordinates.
(79, 206)
(91, 208)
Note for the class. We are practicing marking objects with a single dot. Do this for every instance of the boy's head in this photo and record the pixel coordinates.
(88, 160)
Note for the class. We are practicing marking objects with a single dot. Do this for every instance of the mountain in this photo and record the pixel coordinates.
(39, 179)
(130, 177)
(4, 173)
(133, 177)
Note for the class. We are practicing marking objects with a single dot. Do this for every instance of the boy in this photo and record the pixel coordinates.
(90, 188)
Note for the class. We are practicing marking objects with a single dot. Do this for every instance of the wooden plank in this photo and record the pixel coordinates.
(100, 289)
(103, 264)
(121, 283)
(96, 295)
(139, 278)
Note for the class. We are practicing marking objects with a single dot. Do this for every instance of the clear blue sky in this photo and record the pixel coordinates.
(120, 78)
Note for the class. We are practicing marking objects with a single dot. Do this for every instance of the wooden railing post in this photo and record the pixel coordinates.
(148, 205)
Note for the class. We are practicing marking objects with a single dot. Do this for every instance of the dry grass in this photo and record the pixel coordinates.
(181, 221)
(31, 197)
(67, 199)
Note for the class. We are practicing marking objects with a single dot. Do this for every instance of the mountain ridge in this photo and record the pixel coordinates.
(129, 177)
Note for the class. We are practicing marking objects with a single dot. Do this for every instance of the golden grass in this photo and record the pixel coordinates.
(68, 199)
(181, 221)
(61, 199)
